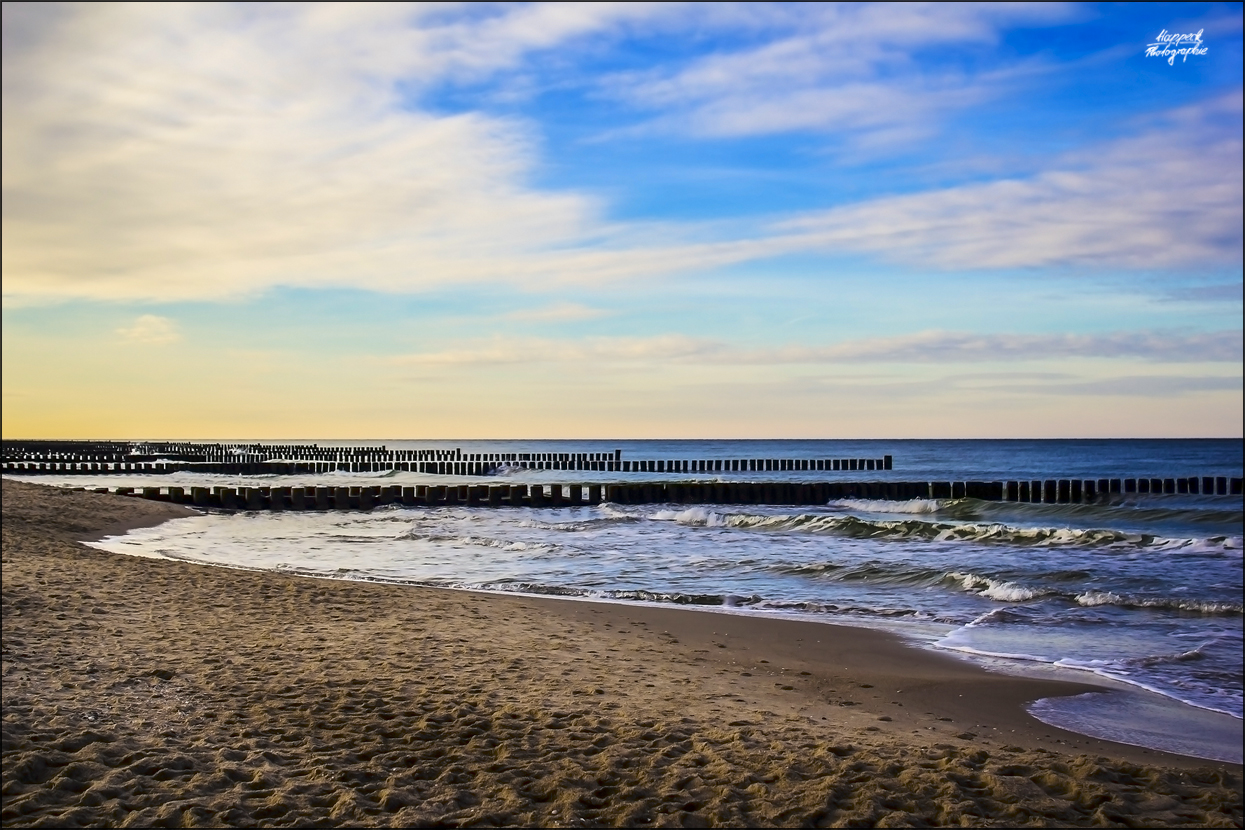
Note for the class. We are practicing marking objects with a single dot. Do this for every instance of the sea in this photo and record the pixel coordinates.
(1139, 592)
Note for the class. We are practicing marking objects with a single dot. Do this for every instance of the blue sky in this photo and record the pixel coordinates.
(669, 220)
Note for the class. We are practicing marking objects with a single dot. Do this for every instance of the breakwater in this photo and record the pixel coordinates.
(1052, 491)
(155, 458)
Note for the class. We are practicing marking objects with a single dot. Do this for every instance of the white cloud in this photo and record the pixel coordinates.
(150, 329)
(843, 68)
(195, 152)
(202, 151)
(1170, 198)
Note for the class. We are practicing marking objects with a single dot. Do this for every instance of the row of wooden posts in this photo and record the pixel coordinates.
(48, 450)
(129, 452)
(455, 468)
(1059, 491)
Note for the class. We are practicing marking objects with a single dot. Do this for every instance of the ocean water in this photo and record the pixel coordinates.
(1142, 590)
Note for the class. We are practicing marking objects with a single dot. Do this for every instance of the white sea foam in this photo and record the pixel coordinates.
(997, 589)
(880, 506)
(511, 545)
(1090, 599)
(694, 516)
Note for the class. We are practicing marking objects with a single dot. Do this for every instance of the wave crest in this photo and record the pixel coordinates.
(1195, 606)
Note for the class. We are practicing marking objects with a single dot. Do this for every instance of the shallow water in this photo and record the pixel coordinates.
(1143, 590)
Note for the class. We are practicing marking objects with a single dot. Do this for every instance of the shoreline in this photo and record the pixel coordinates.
(1108, 727)
(141, 690)
(1185, 727)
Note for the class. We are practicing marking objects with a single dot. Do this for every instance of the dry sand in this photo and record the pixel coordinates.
(142, 692)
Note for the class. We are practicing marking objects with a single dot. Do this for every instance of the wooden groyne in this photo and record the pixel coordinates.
(1054, 491)
(104, 457)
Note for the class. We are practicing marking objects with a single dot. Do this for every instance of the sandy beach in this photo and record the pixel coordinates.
(145, 692)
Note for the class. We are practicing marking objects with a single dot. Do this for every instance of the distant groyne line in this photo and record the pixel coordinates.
(154, 458)
(1050, 491)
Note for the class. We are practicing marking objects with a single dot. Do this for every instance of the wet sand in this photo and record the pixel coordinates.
(142, 692)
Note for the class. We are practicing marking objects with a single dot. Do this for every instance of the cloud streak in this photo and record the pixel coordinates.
(270, 147)
(558, 313)
(150, 329)
(931, 347)
(837, 68)
(1168, 199)
(201, 152)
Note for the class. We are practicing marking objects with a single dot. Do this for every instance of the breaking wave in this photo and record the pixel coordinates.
(1195, 606)
(988, 533)
(881, 506)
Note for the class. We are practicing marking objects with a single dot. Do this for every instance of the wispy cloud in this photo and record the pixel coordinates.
(1170, 198)
(1141, 386)
(931, 347)
(206, 151)
(842, 68)
(150, 329)
(502, 350)
(283, 146)
(965, 347)
(557, 313)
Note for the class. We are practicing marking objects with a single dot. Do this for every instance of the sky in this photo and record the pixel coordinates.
(622, 221)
